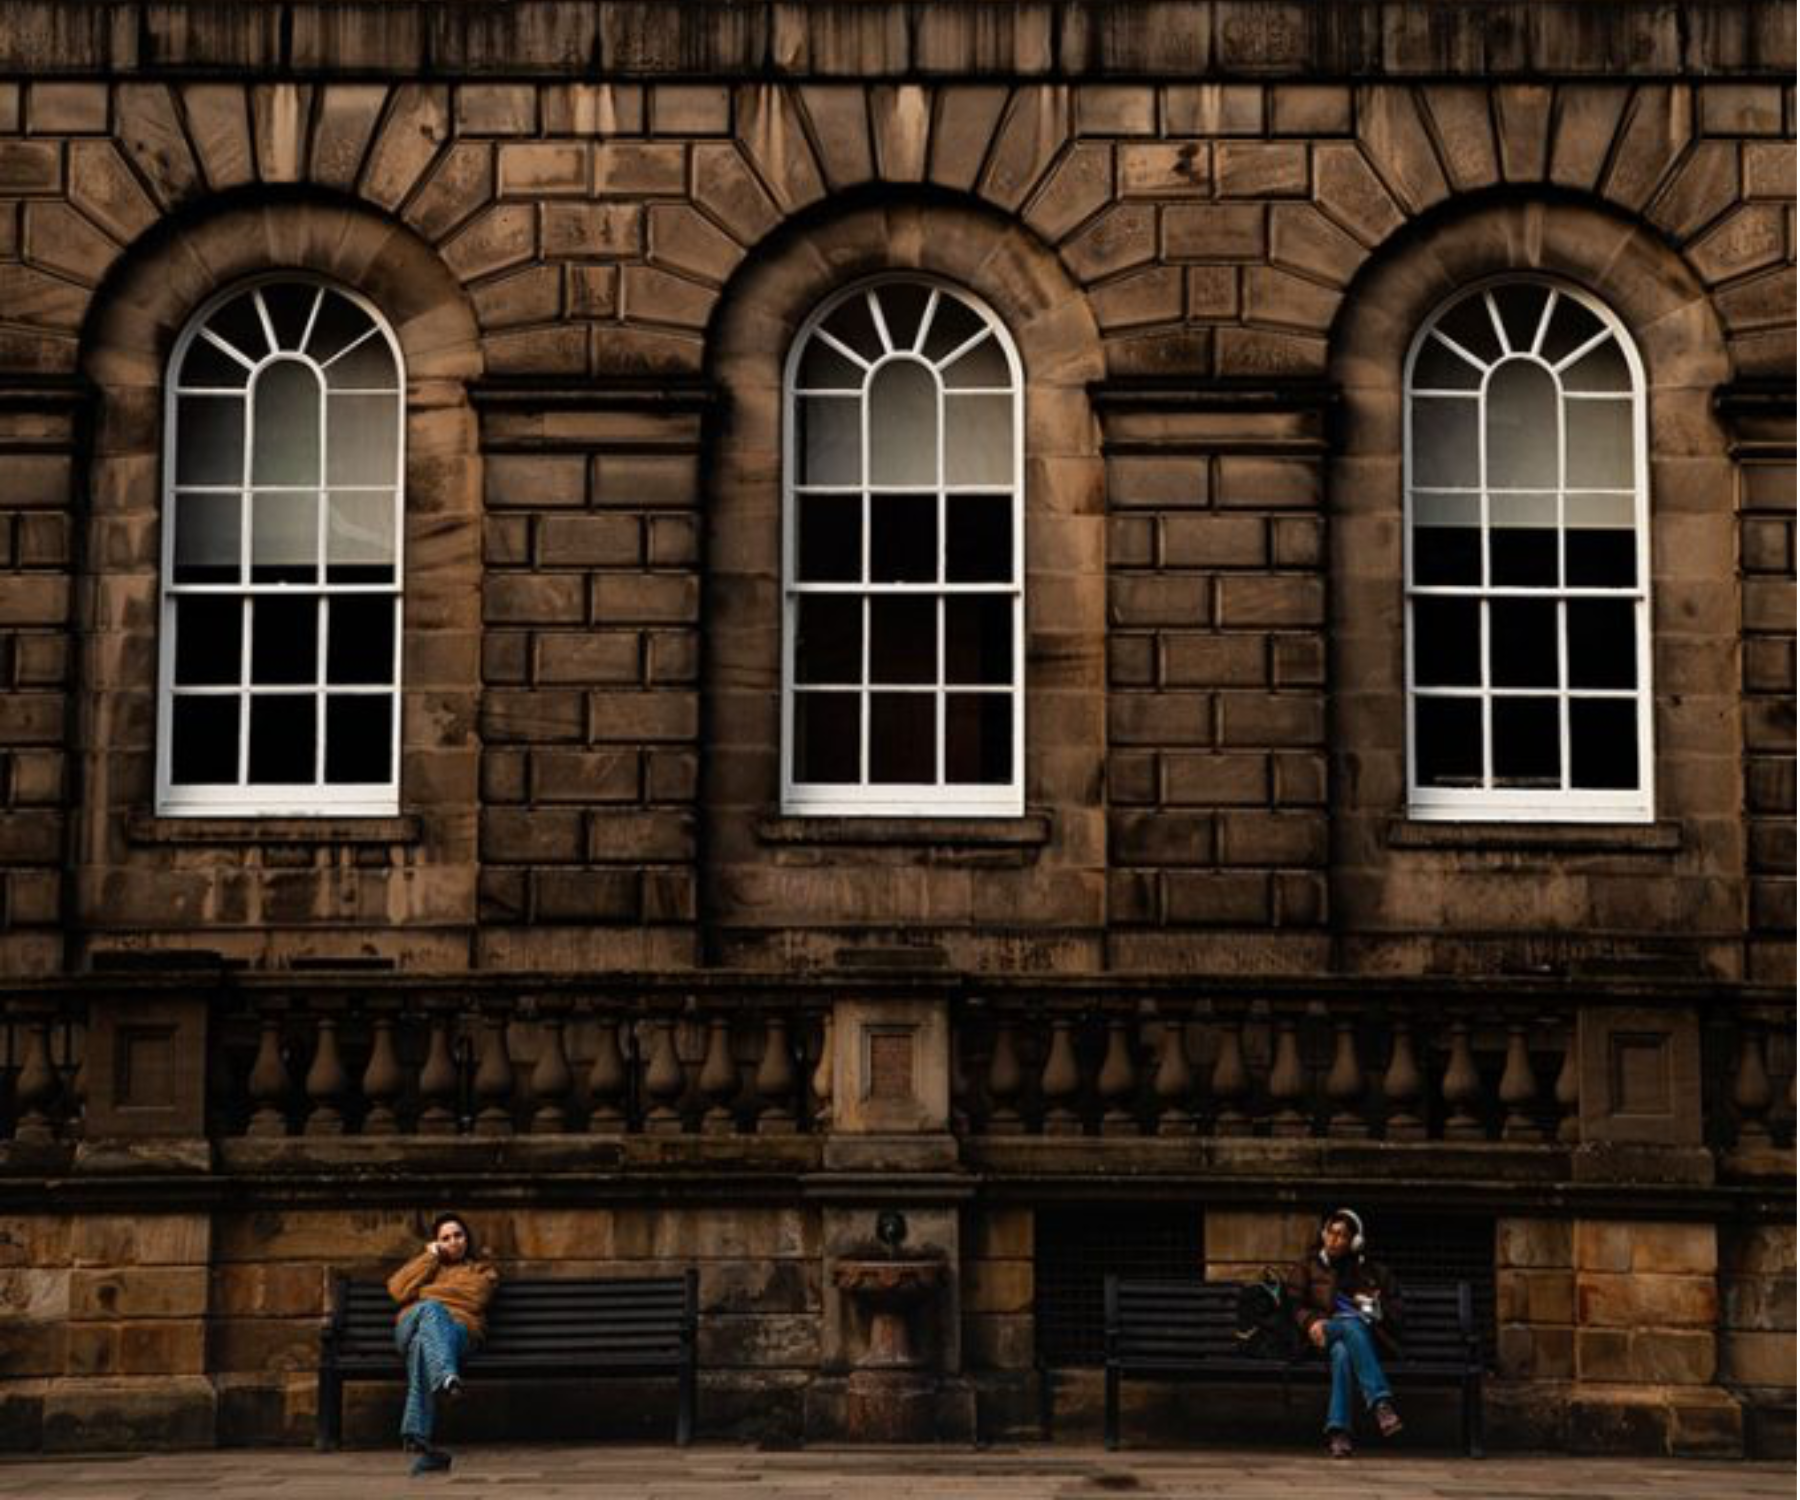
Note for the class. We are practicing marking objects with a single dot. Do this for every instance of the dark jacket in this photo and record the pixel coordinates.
(1314, 1284)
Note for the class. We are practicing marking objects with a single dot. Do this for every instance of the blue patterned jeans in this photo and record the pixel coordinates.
(432, 1343)
(1351, 1348)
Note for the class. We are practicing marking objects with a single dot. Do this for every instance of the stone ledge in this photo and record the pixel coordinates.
(1030, 831)
(145, 828)
(1507, 838)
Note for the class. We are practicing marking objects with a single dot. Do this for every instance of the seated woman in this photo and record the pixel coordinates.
(443, 1292)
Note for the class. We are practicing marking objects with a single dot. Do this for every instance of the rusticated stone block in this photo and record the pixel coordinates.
(646, 480)
(63, 108)
(1276, 719)
(532, 717)
(1310, 109)
(1247, 170)
(610, 229)
(1160, 838)
(534, 599)
(590, 541)
(539, 836)
(1035, 128)
(140, 1292)
(1160, 719)
(1164, 169)
(633, 169)
(654, 296)
(1258, 600)
(1158, 601)
(690, 109)
(417, 126)
(1079, 184)
(1587, 120)
(631, 837)
(1303, 239)
(1197, 231)
(683, 240)
(1115, 109)
(1153, 296)
(589, 658)
(627, 718)
(503, 236)
(1272, 839)
(544, 168)
(345, 120)
(535, 481)
(727, 189)
(1212, 109)
(1346, 187)
(1235, 900)
(1214, 661)
(1740, 109)
(531, 296)
(496, 109)
(1269, 482)
(1656, 132)
(1534, 1243)
(584, 776)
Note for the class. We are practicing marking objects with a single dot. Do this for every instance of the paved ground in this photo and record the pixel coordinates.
(619, 1473)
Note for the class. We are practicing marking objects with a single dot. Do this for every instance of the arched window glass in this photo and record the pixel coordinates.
(1527, 558)
(903, 558)
(280, 643)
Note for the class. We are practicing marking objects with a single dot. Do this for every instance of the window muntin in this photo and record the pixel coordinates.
(903, 558)
(1527, 561)
(281, 580)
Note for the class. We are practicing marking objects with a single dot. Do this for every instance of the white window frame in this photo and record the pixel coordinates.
(318, 798)
(900, 799)
(1509, 804)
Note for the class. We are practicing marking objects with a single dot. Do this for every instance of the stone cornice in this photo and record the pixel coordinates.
(925, 39)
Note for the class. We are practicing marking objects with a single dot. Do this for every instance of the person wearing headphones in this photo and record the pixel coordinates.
(1349, 1308)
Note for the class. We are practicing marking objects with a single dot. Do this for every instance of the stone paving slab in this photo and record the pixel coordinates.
(713, 1473)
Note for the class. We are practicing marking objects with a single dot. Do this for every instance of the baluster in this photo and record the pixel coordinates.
(606, 1079)
(1344, 1083)
(327, 1083)
(1752, 1095)
(1568, 1089)
(961, 1086)
(75, 1089)
(494, 1080)
(551, 1078)
(1518, 1089)
(1230, 1078)
(269, 1085)
(823, 1073)
(718, 1079)
(35, 1088)
(1403, 1086)
(664, 1080)
(383, 1080)
(1062, 1080)
(1006, 1078)
(437, 1079)
(1173, 1083)
(1117, 1083)
(774, 1081)
(1462, 1087)
(1287, 1080)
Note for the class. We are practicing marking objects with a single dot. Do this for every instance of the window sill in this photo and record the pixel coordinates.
(1504, 838)
(1031, 831)
(145, 828)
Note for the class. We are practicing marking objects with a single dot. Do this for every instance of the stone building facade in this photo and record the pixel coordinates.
(1217, 942)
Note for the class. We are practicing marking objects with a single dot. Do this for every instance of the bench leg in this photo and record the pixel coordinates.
(331, 1409)
(1112, 1408)
(684, 1411)
(1474, 1419)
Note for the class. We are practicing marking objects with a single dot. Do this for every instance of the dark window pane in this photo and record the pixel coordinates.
(903, 538)
(209, 440)
(1571, 326)
(368, 366)
(978, 639)
(1522, 412)
(1441, 368)
(1527, 743)
(206, 364)
(827, 738)
(902, 306)
(1447, 741)
(209, 644)
(359, 743)
(902, 737)
(1447, 642)
(285, 401)
(1522, 642)
(1522, 556)
(281, 739)
(360, 643)
(822, 368)
(1446, 554)
(1602, 643)
(828, 648)
(205, 745)
(903, 640)
(980, 543)
(290, 304)
(1521, 307)
(1602, 368)
(240, 325)
(1469, 324)
(284, 643)
(339, 324)
(984, 367)
(208, 538)
(978, 738)
(952, 325)
(851, 325)
(1603, 744)
(1601, 559)
(830, 539)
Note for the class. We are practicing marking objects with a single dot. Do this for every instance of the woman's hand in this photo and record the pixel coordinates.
(1316, 1332)
(431, 1248)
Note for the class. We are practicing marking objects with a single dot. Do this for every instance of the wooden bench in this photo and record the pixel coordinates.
(1187, 1331)
(535, 1330)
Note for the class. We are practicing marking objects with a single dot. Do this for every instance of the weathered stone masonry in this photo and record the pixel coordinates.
(1211, 229)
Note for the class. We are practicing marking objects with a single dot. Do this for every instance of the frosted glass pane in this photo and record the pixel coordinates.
(1521, 427)
(1444, 432)
(362, 441)
(359, 536)
(369, 366)
(903, 432)
(830, 440)
(285, 400)
(1601, 369)
(1600, 446)
(207, 538)
(1600, 510)
(209, 440)
(1521, 510)
(978, 439)
(1433, 509)
(284, 539)
(983, 368)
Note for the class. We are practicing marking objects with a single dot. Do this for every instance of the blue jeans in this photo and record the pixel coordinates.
(1351, 1349)
(432, 1343)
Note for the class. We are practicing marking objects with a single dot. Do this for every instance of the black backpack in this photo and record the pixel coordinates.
(1265, 1320)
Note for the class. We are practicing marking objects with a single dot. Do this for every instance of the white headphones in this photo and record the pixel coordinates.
(1356, 1223)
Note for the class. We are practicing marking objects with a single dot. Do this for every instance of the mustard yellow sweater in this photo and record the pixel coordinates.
(465, 1289)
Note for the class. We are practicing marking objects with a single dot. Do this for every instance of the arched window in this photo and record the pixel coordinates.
(1527, 561)
(280, 644)
(903, 558)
